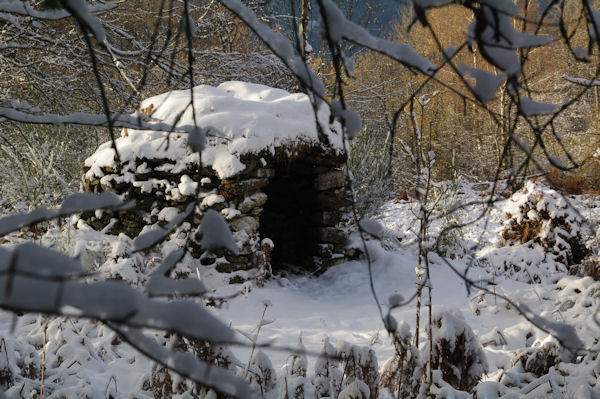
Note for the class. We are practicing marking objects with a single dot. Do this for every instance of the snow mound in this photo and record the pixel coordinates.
(541, 235)
(238, 118)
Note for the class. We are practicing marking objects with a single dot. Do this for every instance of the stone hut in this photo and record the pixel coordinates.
(266, 165)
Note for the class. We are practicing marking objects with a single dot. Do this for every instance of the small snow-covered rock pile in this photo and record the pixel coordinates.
(252, 133)
(540, 218)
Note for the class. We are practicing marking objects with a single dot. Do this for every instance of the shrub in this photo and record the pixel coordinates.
(40, 165)
(537, 215)
(328, 376)
(359, 364)
(368, 164)
(263, 376)
(401, 374)
(356, 390)
(538, 360)
(456, 350)
(165, 383)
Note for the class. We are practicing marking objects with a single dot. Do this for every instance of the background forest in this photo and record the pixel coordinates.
(48, 65)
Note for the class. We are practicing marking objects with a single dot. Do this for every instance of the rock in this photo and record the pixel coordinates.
(329, 180)
(327, 218)
(352, 253)
(208, 258)
(225, 267)
(332, 200)
(251, 162)
(263, 173)
(324, 250)
(241, 259)
(326, 263)
(481, 186)
(248, 247)
(237, 280)
(327, 160)
(331, 235)
(219, 252)
(244, 187)
(248, 224)
(254, 201)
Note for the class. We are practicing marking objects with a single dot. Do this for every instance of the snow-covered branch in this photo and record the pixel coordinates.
(581, 81)
(24, 8)
(75, 203)
(85, 119)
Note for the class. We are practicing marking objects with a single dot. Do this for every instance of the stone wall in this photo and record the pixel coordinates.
(314, 211)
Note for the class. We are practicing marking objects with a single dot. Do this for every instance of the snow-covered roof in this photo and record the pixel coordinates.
(250, 118)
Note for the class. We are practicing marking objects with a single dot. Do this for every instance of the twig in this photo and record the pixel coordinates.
(43, 358)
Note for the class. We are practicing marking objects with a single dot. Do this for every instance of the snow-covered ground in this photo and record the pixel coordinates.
(84, 358)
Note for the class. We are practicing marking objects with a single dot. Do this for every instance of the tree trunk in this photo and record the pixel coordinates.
(303, 27)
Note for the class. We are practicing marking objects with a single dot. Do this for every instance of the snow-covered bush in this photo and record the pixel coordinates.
(76, 355)
(328, 376)
(590, 266)
(359, 364)
(348, 371)
(295, 383)
(401, 374)
(538, 215)
(111, 257)
(541, 235)
(456, 350)
(165, 383)
(297, 363)
(262, 375)
(355, 390)
(538, 360)
(445, 197)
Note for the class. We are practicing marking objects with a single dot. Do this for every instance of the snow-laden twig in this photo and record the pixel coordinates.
(24, 8)
(75, 203)
(185, 363)
(86, 119)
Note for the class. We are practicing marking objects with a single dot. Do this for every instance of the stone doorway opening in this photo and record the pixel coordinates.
(289, 216)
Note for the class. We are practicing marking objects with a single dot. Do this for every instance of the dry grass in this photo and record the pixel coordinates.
(573, 183)
(7, 378)
(589, 267)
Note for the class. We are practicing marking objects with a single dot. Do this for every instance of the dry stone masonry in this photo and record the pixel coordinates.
(265, 167)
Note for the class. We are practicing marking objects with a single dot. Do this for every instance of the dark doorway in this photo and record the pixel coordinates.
(288, 216)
